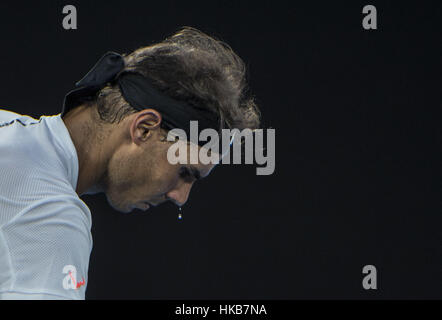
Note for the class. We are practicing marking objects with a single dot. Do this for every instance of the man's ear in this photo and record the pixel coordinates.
(143, 124)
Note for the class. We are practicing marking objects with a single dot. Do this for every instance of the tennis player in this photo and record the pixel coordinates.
(110, 137)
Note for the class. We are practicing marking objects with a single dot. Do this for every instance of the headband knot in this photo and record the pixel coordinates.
(140, 93)
(104, 71)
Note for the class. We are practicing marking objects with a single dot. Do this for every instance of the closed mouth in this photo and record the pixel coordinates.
(142, 206)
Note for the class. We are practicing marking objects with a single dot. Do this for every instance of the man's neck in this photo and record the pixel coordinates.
(92, 158)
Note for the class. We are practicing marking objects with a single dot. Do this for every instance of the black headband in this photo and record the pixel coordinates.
(140, 94)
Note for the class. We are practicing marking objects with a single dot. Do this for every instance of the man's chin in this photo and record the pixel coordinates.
(122, 210)
(119, 208)
(127, 210)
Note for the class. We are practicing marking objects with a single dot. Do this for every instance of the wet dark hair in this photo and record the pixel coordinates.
(193, 67)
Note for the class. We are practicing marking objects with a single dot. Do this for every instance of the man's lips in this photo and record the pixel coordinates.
(142, 206)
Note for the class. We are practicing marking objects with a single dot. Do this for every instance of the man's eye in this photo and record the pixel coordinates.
(185, 174)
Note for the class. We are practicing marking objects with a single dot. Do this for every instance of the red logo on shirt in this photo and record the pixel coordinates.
(78, 284)
(70, 281)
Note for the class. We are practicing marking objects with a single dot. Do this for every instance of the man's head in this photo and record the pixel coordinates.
(190, 67)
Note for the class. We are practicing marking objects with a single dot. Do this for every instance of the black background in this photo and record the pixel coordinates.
(358, 140)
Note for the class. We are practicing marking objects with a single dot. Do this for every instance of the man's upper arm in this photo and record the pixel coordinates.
(49, 248)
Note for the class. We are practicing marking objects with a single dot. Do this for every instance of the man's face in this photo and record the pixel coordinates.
(139, 174)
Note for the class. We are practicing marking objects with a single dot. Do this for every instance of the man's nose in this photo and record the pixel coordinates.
(180, 194)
